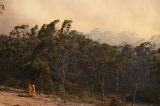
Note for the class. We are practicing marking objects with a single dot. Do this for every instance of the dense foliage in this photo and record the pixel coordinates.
(62, 60)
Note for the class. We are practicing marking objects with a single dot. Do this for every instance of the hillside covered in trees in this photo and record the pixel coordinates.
(60, 60)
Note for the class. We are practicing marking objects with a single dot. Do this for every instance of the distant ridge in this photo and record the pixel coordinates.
(113, 38)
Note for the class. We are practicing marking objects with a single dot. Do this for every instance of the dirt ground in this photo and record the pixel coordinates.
(15, 97)
(12, 99)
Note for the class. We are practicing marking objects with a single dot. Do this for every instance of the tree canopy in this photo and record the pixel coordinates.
(57, 58)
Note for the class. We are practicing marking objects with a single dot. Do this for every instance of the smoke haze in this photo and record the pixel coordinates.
(137, 16)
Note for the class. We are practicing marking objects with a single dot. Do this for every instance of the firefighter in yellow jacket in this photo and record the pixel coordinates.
(30, 89)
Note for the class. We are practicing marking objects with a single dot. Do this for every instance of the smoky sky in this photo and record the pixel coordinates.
(138, 16)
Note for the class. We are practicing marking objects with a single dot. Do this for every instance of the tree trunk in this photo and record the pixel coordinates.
(63, 76)
(102, 90)
(101, 83)
(134, 93)
(117, 81)
(92, 90)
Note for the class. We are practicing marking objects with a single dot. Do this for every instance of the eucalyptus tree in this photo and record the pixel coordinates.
(63, 48)
(20, 47)
(102, 58)
(150, 90)
(39, 73)
(118, 60)
(138, 68)
(5, 69)
(87, 62)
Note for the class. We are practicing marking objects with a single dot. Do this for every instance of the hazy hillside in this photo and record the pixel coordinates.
(122, 38)
(114, 38)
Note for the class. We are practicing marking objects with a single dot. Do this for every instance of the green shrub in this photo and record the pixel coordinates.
(102, 104)
(149, 94)
(38, 71)
(73, 88)
(115, 102)
(56, 86)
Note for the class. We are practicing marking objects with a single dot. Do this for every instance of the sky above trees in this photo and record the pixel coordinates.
(138, 16)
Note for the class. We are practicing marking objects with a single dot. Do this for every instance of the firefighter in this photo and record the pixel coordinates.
(30, 89)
